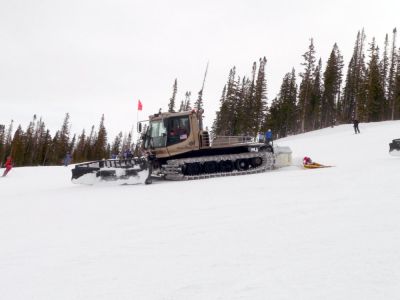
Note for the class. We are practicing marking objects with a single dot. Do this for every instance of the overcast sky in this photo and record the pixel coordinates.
(89, 57)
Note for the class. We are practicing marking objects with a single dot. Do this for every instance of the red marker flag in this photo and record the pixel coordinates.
(139, 106)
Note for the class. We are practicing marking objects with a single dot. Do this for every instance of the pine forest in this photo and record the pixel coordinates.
(321, 94)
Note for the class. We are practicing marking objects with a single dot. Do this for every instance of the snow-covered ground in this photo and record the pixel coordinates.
(287, 234)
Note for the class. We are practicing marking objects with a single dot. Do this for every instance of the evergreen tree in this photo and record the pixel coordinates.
(260, 98)
(182, 106)
(282, 113)
(38, 132)
(18, 147)
(240, 115)
(100, 144)
(171, 105)
(392, 77)
(2, 143)
(384, 64)
(227, 102)
(236, 104)
(61, 142)
(47, 144)
(217, 126)
(43, 142)
(275, 119)
(227, 111)
(108, 150)
(127, 142)
(223, 122)
(396, 91)
(8, 141)
(187, 105)
(332, 81)
(199, 102)
(116, 145)
(353, 103)
(71, 146)
(79, 153)
(291, 106)
(375, 91)
(306, 85)
(361, 82)
(384, 70)
(54, 155)
(249, 102)
(242, 104)
(30, 143)
(89, 145)
(314, 107)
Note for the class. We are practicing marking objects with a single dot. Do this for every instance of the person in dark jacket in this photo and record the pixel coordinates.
(8, 166)
(355, 125)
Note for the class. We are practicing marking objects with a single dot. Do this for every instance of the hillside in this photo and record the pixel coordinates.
(286, 234)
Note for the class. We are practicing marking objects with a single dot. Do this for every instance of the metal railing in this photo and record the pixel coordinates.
(231, 140)
(111, 163)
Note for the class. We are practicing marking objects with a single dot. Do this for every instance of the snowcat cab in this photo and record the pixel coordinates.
(172, 134)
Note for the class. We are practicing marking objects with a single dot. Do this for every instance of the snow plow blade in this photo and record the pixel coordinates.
(126, 171)
(394, 147)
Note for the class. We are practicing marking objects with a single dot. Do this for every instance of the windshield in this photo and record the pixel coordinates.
(158, 134)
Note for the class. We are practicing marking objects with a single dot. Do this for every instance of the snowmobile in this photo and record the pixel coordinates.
(394, 147)
(174, 146)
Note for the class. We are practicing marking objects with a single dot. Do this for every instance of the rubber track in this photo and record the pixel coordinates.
(173, 168)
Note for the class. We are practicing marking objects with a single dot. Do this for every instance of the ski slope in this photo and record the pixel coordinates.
(292, 233)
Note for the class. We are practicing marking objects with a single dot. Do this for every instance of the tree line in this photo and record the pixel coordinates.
(370, 93)
(36, 146)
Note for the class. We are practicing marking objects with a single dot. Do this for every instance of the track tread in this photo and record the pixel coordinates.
(173, 168)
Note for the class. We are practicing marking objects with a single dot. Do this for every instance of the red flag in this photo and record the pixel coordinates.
(139, 106)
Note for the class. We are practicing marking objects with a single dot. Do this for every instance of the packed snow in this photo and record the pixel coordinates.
(292, 233)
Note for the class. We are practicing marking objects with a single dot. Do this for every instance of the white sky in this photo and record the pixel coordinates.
(94, 57)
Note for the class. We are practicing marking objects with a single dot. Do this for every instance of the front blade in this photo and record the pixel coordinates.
(130, 171)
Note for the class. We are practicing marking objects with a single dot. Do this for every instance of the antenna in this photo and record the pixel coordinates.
(205, 75)
(200, 100)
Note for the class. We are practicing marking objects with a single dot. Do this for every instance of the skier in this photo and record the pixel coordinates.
(8, 166)
(355, 125)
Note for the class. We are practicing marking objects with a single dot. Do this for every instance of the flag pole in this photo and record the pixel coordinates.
(137, 120)
(139, 107)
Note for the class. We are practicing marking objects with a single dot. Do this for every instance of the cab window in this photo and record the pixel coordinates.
(178, 130)
(157, 136)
